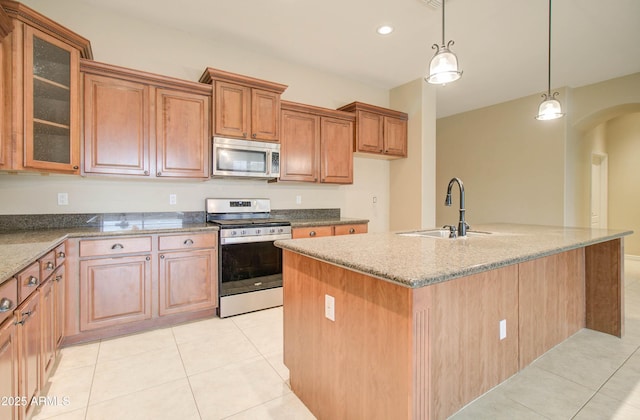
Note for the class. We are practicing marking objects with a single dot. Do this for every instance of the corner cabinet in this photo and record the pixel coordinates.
(316, 144)
(42, 76)
(245, 107)
(379, 131)
(142, 124)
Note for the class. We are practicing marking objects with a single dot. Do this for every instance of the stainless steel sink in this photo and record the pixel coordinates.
(440, 233)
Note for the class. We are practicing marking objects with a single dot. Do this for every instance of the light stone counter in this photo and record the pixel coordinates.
(420, 261)
(19, 249)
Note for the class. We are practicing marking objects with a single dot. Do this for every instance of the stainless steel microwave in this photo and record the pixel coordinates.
(243, 158)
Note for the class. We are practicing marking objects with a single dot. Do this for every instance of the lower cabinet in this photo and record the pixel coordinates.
(48, 353)
(136, 282)
(187, 281)
(29, 326)
(329, 230)
(9, 369)
(114, 291)
(58, 296)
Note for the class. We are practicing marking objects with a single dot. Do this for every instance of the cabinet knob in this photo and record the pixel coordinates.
(50, 265)
(33, 281)
(146, 173)
(61, 254)
(244, 134)
(5, 305)
(117, 246)
(148, 258)
(75, 167)
(188, 242)
(352, 230)
(58, 278)
(159, 174)
(312, 233)
(254, 135)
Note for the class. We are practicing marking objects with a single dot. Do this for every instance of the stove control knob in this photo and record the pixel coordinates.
(244, 232)
(272, 230)
(234, 233)
(280, 230)
(257, 231)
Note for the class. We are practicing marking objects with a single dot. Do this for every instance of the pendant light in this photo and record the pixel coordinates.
(550, 108)
(443, 67)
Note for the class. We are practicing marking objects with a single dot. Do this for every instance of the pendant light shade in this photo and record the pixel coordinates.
(443, 68)
(550, 108)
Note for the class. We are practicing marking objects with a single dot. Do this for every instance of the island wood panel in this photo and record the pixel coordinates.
(358, 366)
(604, 268)
(552, 302)
(467, 356)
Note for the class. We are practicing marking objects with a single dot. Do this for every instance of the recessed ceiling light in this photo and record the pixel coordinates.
(384, 30)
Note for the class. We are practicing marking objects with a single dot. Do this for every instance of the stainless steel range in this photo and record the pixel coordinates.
(249, 264)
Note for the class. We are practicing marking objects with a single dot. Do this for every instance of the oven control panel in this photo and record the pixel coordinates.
(254, 234)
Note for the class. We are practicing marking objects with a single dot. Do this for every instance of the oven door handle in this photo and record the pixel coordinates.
(252, 239)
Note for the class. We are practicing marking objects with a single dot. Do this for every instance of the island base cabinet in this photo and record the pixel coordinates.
(357, 366)
(114, 291)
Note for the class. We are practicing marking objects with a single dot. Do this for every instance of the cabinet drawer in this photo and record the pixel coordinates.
(351, 229)
(47, 265)
(115, 246)
(312, 232)
(187, 241)
(28, 281)
(60, 254)
(8, 298)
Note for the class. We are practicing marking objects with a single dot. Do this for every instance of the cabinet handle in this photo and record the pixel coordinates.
(5, 305)
(312, 233)
(58, 278)
(352, 230)
(49, 266)
(117, 246)
(33, 281)
(61, 254)
(188, 242)
(27, 314)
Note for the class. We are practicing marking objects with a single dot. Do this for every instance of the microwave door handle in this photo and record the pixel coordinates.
(268, 165)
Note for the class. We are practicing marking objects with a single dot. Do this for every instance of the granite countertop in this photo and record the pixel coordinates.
(20, 248)
(299, 223)
(413, 261)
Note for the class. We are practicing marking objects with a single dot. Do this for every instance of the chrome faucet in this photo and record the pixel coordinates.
(462, 225)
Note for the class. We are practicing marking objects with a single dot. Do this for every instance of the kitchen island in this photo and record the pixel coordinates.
(422, 326)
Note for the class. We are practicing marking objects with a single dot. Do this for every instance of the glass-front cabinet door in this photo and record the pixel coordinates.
(51, 104)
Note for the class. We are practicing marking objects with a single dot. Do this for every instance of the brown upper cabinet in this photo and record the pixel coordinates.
(380, 131)
(142, 124)
(41, 126)
(315, 145)
(245, 107)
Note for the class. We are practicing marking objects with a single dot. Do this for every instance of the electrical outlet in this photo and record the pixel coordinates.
(63, 199)
(330, 307)
(503, 329)
(375, 199)
(173, 199)
(298, 199)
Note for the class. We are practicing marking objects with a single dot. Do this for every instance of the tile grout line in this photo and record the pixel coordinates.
(195, 401)
(605, 382)
(93, 377)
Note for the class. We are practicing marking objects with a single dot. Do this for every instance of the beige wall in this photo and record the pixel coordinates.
(623, 147)
(412, 180)
(128, 42)
(511, 164)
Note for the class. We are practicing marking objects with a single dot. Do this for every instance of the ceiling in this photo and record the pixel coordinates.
(501, 44)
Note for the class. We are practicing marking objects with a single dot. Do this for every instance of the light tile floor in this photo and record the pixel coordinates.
(232, 369)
